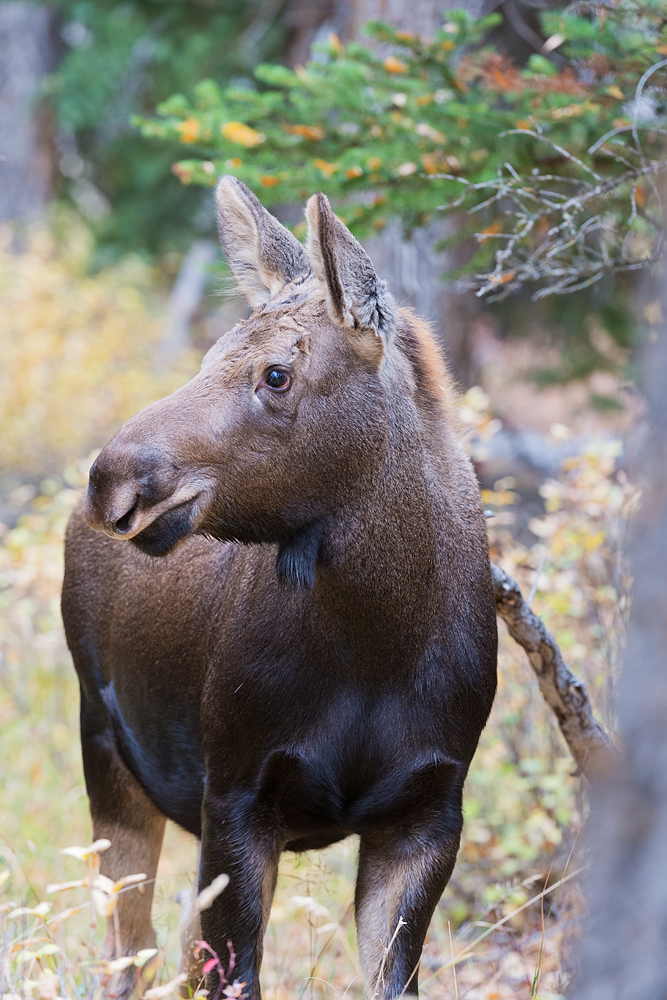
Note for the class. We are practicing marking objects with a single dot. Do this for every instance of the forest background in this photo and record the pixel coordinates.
(114, 121)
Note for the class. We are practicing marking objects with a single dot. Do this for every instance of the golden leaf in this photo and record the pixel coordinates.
(394, 65)
(189, 129)
(489, 230)
(242, 134)
(432, 163)
(307, 131)
(327, 168)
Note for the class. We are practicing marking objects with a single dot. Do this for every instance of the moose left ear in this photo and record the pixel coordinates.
(358, 298)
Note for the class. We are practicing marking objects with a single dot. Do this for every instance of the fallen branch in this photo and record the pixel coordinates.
(566, 694)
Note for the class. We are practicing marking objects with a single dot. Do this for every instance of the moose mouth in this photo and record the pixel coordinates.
(163, 534)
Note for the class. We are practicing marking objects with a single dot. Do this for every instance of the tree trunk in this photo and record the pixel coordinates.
(27, 55)
(184, 302)
(624, 956)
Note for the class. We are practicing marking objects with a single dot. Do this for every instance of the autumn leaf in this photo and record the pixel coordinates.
(394, 65)
(432, 163)
(189, 129)
(327, 168)
(307, 131)
(489, 231)
(242, 134)
(184, 175)
(615, 91)
(268, 180)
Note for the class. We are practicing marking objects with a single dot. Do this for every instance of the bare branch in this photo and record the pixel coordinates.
(565, 694)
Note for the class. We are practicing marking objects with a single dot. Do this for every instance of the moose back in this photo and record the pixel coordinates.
(279, 605)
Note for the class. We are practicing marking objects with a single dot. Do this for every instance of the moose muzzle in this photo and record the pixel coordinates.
(132, 487)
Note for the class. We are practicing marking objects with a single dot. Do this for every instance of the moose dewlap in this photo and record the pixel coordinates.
(329, 676)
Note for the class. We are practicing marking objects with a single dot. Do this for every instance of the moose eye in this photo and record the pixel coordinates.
(278, 380)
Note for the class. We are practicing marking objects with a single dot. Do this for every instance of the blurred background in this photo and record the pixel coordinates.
(111, 290)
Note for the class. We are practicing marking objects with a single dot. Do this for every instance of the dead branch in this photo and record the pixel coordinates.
(565, 694)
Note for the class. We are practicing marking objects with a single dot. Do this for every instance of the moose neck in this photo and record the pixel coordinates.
(380, 580)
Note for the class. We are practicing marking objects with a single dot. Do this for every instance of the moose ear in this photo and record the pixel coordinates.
(262, 255)
(358, 298)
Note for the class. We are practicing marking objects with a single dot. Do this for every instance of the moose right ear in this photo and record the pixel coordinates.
(358, 299)
(262, 255)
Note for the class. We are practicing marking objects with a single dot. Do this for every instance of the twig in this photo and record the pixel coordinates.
(565, 693)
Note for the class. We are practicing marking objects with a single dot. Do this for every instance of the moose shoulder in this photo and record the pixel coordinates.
(330, 675)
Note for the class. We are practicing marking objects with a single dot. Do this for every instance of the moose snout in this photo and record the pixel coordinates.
(128, 488)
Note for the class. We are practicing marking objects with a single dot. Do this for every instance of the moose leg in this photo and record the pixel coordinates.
(401, 877)
(234, 925)
(122, 813)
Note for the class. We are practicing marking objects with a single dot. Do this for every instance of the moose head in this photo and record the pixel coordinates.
(289, 412)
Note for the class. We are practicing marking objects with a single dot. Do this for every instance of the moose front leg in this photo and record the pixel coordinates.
(235, 923)
(401, 877)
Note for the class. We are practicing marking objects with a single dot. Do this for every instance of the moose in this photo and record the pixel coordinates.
(278, 600)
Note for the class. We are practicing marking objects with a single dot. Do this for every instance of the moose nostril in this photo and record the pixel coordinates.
(124, 523)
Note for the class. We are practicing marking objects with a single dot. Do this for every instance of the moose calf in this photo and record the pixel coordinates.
(329, 675)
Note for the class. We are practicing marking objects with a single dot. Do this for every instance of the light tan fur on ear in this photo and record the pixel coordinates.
(358, 299)
(262, 255)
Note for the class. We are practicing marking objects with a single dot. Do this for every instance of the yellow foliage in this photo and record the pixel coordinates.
(327, 168)
(243, 134)
(189, 129)
(394, 65)
(77, 351)
(307, 131)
